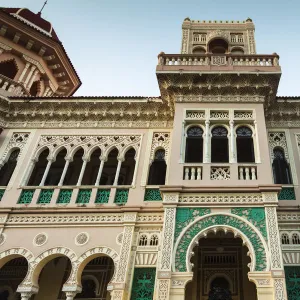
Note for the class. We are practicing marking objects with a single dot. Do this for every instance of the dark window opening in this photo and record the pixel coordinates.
(110, 168)
(219, 145)
(9, 68)
(158, 169)
(88, 289)
(56, 168)
(8, 169)
(92, 168)
(244, 145)
(127, 170)
(39, 169)
(74, 168)
(35, 88)
(194, 145)
(218, 46)
(281, 168)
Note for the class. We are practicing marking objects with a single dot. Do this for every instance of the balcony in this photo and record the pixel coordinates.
(75, 196)
(11, 87)
(199, 173)
(210, 62)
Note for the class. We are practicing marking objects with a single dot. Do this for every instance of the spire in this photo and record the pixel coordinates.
(40, 12)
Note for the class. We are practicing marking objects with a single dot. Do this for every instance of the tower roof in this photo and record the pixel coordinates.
(32, 19)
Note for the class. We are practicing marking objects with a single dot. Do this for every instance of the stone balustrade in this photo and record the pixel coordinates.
(247, 172)
(218, 60)
(209, 172)
(13, 87)
(192, 173)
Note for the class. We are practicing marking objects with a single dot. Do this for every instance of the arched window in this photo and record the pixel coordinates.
(295, 239)
(158, 168)
(39, 169)
(143, 240)
(154, 240)
(127, 170)
(285, 240)
(74, 168)
(9, 68)
(219, 145)
(110, 168)
(237, 51)
(194, 145)
(244, 145)
(92, 167)
(199, 50)
(281, 168)
(56, 168)
(8, 169)
(218, 46)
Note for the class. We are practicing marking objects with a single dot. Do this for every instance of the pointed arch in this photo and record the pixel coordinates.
(158, 168)
(8, 168)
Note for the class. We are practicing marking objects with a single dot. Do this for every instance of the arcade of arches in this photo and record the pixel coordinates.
(94, 279)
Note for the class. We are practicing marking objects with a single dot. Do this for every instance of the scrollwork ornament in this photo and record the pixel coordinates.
(2, 238)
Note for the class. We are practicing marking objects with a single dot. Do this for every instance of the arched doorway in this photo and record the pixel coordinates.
(220, 269)
(11, 275)
(53, 275)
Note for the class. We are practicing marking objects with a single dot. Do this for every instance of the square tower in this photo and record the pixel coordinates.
(218, 37)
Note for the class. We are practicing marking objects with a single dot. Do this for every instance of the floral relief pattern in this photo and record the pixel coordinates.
(256, 216)
(181, 251)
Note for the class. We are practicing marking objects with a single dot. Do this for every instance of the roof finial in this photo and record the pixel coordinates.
(40, 12)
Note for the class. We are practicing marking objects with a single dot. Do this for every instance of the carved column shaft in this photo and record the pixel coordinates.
(24, 71)
(29, 75)
(82, 172)
(232, 143)
(63, 175)
(46, 172)
(32, 79)
(100, 172)
(28, 173)
(206, 143)
(118, 171)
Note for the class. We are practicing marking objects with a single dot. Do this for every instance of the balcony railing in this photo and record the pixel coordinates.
(80, 196)
(12, 86)
(218, 60)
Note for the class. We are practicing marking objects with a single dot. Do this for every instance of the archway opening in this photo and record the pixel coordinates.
(110, 168)
(52, 278)
(39, 169)
(9, 68)
(199, 50)
(220, 269)
(74, 168)
(92, 167)
(218, 46)
(95, 278)
(127, 169)
(11, 275)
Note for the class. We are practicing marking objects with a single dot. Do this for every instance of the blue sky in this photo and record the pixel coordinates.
(113, 44)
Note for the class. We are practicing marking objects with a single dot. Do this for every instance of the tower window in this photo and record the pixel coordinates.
(158, 168)
(194, 145)
(219, 145)
(244, 145)
(8, 169)
(281, 168)
(295, 239)
(285, 240)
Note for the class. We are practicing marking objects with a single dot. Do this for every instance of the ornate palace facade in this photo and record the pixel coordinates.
(190, 195)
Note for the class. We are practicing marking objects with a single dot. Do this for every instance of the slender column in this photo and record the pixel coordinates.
(70, 295)
(206, 143)
(29, 75)
(182, 159)
(46, 91)
(32, 79)
(120, 160)
(232, 143)
(46, 172)
(85, 161)
(257, 143)
(24, 72)
(100, 171)
(28, 172)
(63, 175)
(26, 295)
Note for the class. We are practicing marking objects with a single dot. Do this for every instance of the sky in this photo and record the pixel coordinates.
(114, 44)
